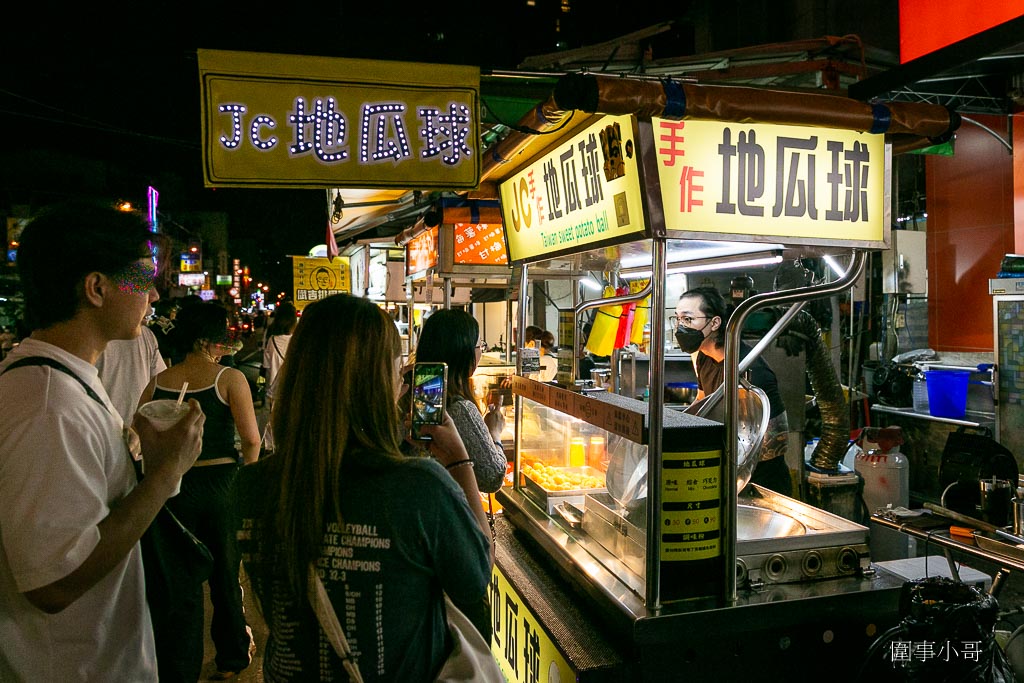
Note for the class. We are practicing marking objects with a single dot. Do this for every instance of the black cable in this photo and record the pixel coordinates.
(886, 637)
(524, 129)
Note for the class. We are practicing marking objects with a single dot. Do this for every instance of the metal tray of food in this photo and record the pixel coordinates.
(988, 541)
(548, 485)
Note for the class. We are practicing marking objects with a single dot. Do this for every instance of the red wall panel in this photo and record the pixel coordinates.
(927, 25)
(970, 200)
(1018, 184)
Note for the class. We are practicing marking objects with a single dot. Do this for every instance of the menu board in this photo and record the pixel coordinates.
(479, 244)
(421, 252)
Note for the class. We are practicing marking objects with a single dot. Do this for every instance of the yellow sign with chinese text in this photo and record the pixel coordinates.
(274, 120)
(317, 278)
(765, 179)
(523, 649)
(583, 193)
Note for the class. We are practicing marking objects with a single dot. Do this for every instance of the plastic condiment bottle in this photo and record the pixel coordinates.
(597, 456)
(577, 452)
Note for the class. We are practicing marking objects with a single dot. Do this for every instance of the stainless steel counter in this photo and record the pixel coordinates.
(771, 632)
(935, 530)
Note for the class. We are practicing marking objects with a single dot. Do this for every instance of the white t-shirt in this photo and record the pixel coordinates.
(125, 368)
(273, 357)
(63, 462)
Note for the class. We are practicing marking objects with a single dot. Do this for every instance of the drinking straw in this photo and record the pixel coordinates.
(181, 396)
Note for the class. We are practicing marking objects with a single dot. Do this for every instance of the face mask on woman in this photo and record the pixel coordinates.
(690, 339)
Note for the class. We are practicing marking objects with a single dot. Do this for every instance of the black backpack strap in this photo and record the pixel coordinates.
(56, 365)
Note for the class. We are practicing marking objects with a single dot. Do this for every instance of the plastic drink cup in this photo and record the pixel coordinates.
(164, 413)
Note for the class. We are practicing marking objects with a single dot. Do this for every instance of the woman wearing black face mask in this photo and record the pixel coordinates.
(700, 331)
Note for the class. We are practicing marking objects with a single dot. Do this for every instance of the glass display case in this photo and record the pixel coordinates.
(583, 466)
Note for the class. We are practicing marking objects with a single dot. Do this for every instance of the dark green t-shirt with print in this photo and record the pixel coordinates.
(408, 537)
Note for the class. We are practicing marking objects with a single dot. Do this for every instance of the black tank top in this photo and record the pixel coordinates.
(219, 428)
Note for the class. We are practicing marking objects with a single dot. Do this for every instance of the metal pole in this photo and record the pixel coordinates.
(410, 304)
(576, 332)
(655, 417)
(509, 345)
(516, 398)
(732, 395)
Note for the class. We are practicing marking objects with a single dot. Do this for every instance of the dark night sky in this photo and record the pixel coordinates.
(105, 99)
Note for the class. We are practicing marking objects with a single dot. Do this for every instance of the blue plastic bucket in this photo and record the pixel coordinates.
(947, 392)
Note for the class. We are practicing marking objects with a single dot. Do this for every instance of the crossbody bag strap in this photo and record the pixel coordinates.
(328, 619)
(56, 365)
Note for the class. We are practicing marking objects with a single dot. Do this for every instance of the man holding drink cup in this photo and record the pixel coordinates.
(71, 576)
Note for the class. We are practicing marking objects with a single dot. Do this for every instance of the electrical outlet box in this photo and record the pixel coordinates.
(901, 321)
(904, 264)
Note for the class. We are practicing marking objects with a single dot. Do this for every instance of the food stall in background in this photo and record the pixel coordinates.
(661, 573)
(459, 259)
(635, 503)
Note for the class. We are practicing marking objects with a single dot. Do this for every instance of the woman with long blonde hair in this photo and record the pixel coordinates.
(388, 534)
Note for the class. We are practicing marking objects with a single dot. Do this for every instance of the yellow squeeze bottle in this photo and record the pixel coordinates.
(577, 452)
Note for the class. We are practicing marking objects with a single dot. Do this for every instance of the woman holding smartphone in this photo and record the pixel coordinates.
(389, 535)
(453, 337)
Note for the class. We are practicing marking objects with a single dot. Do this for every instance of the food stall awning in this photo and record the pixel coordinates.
(566, 102)
(354, 211)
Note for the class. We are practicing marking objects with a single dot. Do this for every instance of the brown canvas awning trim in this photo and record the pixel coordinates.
(907, 125)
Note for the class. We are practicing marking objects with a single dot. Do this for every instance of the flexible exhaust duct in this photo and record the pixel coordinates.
(828, 392)
(546, 116)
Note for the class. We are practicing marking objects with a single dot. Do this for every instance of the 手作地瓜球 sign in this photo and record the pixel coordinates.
(789, 182)
(315, 278)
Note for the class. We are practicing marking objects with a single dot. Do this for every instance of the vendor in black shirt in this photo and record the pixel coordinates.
(700, 330)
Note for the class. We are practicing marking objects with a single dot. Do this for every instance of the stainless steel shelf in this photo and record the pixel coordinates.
(971, 418)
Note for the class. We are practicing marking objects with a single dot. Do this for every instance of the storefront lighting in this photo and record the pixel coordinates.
(834, 265)
(760, 258)
(591, 283)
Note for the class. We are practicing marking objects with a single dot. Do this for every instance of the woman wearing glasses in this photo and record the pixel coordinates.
(700, 331)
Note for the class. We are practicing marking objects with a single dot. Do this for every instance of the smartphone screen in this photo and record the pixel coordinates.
(429, 387)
